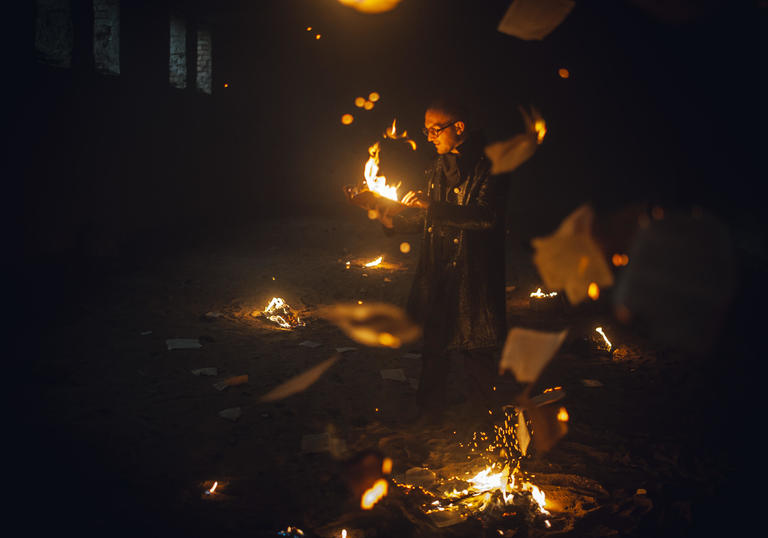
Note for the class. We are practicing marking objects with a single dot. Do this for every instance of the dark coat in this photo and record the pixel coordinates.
(458, 292)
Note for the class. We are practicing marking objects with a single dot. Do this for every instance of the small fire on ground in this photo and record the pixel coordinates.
(280, 313)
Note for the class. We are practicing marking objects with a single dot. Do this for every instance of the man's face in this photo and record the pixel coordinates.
(447, 139)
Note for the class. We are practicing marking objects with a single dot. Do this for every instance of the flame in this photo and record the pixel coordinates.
(562, 415)
(485, 481)
(541, 129)
(375, 262)
(540, 294)
(309, 28)
(318, 36)
(213, 488)
(600, 331)
(386, 466)
(593, 291)
(343, 533)
(376, 183)
(392, 133)
(374, 494)
(278, 311)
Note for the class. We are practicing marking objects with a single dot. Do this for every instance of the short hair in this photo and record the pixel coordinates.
(452, 107)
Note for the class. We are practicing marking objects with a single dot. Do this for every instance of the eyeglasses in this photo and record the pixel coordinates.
(434, 132)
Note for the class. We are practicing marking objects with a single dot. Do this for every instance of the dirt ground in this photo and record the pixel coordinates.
(118, 437)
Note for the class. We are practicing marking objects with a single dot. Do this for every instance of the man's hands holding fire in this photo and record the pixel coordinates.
(415, 199)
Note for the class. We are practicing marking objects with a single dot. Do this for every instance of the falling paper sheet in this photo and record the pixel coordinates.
(507, 155)
(534, 19)
(395, 374)
(523, 436)
(375, 324)
(526, 352)
(183, 343)
(570, 259)
(300, 382)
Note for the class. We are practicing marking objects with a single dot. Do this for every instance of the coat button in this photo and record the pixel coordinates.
(456, 190)
(429, 229)
(455, 240)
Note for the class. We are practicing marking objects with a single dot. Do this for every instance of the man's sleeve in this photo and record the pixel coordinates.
(411, 221)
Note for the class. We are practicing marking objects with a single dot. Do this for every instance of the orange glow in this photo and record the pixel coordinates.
(309, 28)
(600, 331)
(368, 105)
(347, 119)
(386, 466)
(541, 130)
(343, 533)
(540, 294)
(375, 262)
(371, 6)
(593, 291)
(226, 85)
(374, 494)
(388, 340)
(213, 487)
(318, 36)
(562, 415)
(619, 260)
(373, 97)
(563, 72)
(359, 102)
(405, 247)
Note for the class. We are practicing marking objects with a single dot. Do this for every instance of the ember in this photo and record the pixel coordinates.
(374, 494)
(375, 262)
(600, 331)
(540, 294)
(278, 311)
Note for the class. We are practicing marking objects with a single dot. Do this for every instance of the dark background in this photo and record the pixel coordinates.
(664, 104)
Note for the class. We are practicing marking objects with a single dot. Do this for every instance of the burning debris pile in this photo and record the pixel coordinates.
(280, 313)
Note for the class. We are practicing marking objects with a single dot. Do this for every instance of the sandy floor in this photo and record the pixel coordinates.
(121, 438)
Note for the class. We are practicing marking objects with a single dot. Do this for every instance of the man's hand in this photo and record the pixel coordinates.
(416, 199)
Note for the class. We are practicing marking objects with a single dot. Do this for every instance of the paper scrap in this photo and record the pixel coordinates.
(322, 442)
(591, 383)
(231, 382)
(300, 382)
(206, 371)
(145, 333)
(183, 343)
(395, 374)
(233, 413)
(310, 344)
(523, 436)
(345, 349)
(526, 352)
(534, 19)
(412, 356)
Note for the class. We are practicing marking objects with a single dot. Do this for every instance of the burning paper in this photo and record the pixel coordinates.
(371, 6)
(507, 155)
(534, 19)
(300, 382)
(278, 311)
(570, 259)
(526, 352)
(374, 324)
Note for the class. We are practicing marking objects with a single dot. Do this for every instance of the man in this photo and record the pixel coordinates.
(458, 292)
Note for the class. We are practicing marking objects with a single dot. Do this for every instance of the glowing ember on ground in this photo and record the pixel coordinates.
(599, 330)
(278, 311)
(212, 489)
(540, 294)
(374, 494)
(375, 262)
(562, 415)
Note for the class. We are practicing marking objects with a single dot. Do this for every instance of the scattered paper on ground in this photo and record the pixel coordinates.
(374, 324)
(310, 344)
(206, 371)
(345, 349)
(534, 19)
(183, 343)
(395, 374)
(591, 383)
(570, 259)
(322, 442)
(233, 413)
(231, 382)
(526, 352)
(300, 382)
